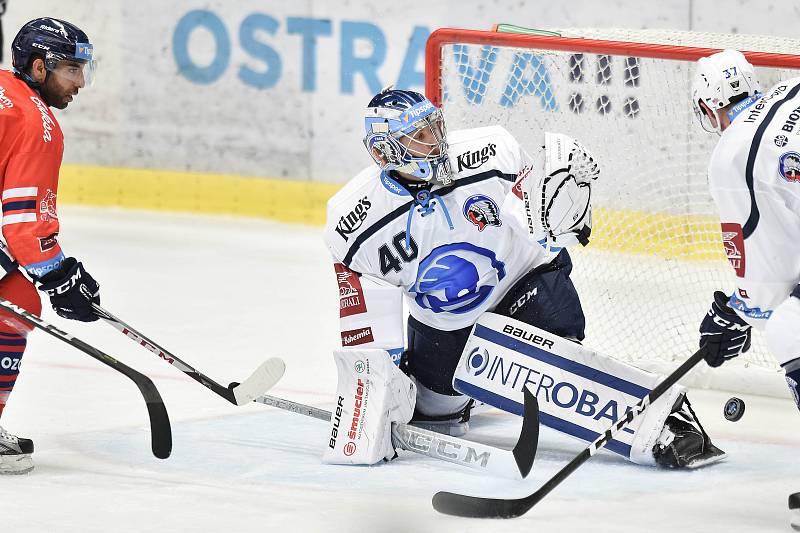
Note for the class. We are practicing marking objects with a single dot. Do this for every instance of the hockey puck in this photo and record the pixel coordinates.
(794, 509)
(734, 409)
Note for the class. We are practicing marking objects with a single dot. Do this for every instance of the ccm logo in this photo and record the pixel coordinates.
(148, 345)
(439, 447)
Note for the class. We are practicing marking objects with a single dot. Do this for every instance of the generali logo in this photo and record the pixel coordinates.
(351, 295)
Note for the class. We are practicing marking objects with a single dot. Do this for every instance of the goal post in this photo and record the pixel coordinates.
(656, 254)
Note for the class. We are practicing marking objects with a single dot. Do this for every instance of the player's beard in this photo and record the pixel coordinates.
(53, 94)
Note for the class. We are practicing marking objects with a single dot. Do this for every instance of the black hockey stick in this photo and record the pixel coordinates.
(160, 430)
(476, 507)
(259, 382)
(507, 463)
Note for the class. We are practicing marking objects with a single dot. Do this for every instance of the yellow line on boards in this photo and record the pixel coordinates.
(682, 237)
(279, 199)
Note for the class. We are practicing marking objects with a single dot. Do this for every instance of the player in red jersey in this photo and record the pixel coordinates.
(52, 62)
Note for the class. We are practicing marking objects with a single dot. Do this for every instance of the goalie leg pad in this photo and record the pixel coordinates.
(580, 392)
(372, 393)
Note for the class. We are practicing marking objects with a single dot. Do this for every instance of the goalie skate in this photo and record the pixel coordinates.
(683, 442)
(15, 454)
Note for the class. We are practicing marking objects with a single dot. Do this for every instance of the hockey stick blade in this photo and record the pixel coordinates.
(259, 382)
(263, 379)
(160, 429)
(476, 507)
(513, 464)
(527, 444)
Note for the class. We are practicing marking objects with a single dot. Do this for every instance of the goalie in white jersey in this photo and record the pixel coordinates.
(460, 224)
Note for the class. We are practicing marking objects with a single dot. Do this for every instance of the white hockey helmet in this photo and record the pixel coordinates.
(718, 80)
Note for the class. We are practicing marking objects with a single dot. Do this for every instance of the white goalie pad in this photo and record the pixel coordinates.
(372, 393)
(580, 392)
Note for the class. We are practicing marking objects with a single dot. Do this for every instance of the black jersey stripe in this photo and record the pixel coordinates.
(752, 220)
(396, 213)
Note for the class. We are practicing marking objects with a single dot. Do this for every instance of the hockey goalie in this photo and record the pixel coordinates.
(473, 233)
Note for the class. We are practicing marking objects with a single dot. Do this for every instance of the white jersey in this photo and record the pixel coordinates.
(454, 253)
(754, 178)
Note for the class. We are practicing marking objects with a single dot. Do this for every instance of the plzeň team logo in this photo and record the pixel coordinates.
(457, 278)
(789, 164)
(482, 211)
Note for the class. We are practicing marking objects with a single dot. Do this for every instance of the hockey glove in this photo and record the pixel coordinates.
(723, 334)
(72, 291)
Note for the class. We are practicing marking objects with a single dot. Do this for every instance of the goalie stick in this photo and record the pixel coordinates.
(259, 382)
(513, 463)
(476, 507)
(160, 430)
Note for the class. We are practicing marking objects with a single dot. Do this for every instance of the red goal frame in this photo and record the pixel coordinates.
(444, 36)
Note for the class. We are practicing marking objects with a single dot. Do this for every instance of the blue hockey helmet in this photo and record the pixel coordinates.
(406, 132)
(54, 40)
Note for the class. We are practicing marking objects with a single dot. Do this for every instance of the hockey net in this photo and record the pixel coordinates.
(656, 254)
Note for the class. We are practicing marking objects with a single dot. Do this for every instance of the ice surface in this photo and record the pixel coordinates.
(224, 294)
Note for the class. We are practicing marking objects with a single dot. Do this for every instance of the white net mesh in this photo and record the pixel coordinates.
(655, 256)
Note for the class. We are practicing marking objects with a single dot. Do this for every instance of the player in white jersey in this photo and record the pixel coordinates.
(462, 223)
(754, 178)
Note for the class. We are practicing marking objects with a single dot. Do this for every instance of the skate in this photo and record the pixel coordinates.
(683, 442)
(15, 454)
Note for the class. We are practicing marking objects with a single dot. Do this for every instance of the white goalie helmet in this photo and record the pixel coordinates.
(562, 203)
(718, 80)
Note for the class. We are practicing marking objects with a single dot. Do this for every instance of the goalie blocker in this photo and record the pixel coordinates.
(372, 393)
(580, 392)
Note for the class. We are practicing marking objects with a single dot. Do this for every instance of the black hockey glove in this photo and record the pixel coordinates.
(723, 334)
(72, 291)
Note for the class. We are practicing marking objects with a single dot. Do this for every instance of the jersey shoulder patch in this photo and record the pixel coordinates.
(480, 149)
(349, 211)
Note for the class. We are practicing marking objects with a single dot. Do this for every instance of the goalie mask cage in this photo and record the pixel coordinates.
(656, 255)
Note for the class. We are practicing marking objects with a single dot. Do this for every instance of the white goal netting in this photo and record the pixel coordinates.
(655, 256)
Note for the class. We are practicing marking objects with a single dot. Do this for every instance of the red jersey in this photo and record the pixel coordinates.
(31, 149)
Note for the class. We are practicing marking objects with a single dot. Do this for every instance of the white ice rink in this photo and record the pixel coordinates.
(225, 294)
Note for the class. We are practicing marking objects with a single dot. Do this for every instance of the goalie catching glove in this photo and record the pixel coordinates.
(558, 200)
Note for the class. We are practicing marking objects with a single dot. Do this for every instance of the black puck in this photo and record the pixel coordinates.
(794, 501)
(734, 409)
